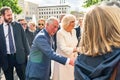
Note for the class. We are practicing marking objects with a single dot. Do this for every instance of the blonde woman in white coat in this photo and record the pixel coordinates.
(66, 46)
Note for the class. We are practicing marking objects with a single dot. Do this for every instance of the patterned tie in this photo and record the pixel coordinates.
(52, 42)
(11, 45)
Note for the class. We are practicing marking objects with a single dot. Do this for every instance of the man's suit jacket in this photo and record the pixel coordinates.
(30, 36)
(78, 34)
(22, 48)
(41, 54)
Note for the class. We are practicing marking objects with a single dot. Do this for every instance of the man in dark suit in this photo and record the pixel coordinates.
(41, 53)
(13, 46)
(1, 20)
(78, 29)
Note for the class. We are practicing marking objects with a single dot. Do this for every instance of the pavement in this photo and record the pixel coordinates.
(2, 77)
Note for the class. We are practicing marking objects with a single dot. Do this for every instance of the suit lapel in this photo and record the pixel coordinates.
(2, 36)
(47, 35)
(2, 33)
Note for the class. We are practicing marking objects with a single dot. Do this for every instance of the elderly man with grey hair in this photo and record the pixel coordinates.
(41, 53)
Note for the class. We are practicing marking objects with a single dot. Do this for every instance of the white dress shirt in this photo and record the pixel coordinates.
(5, 28)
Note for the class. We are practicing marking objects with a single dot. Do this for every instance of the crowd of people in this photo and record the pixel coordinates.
(90, 51)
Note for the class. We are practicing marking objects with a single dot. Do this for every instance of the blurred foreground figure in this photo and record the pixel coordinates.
(99, 45)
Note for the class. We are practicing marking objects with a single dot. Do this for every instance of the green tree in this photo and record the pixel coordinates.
(13, 4)
(88, 3)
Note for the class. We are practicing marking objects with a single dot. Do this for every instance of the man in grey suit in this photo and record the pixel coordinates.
(13, 46)
(41, 53)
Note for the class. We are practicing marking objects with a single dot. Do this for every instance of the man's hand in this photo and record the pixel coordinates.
(72, 61)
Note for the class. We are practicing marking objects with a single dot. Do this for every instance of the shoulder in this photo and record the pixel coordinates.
(61, 31)
(77, 28)
(1, 25)
(41, 35)
(16, 24)
(1, 28)
(73, 31)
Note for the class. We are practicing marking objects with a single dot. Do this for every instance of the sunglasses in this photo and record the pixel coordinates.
(41, 24)
(24, 24)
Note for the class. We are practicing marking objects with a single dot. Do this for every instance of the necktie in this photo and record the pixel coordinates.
(11, 45)
(52, 42)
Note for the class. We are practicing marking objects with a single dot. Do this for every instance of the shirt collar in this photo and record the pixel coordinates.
(6, 24)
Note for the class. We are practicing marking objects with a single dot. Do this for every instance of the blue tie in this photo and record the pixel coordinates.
(11, 45)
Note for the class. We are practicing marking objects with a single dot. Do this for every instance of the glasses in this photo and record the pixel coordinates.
(41, 24)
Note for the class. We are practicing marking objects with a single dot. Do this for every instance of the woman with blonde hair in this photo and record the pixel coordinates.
(66, 46)
(99, 45)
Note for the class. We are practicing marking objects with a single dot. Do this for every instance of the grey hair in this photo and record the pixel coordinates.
(51, 20)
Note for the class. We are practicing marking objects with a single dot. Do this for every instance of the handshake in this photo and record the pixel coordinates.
(72, 59)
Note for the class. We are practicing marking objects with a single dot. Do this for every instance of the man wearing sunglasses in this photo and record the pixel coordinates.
(41, 25)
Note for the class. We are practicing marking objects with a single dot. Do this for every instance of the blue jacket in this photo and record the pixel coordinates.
(97, 68)
(41, 54)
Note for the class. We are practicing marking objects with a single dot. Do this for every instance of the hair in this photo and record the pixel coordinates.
(51, 20)
(3, 9)
(101, 30)
(66, 20)
(31, 23)
(41, 20)
(20, 20)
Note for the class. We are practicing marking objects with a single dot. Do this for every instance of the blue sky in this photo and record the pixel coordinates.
(75, 4)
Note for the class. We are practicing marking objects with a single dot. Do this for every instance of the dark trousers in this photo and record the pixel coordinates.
(20, 68)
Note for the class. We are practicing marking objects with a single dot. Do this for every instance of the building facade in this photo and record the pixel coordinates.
(22, 14)
(56, 11)
(29, 10)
